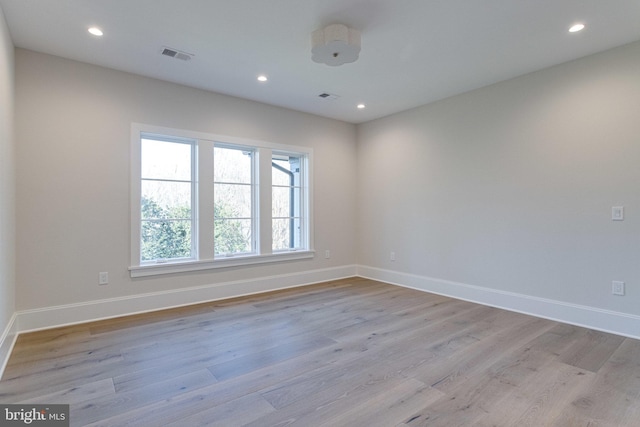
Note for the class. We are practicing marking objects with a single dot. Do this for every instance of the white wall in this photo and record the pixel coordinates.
(73, 132)
(502, 195)
(509, 189)
(7, 191)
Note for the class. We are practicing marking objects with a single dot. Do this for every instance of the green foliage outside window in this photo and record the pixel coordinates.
(229, 237)
(166, 232)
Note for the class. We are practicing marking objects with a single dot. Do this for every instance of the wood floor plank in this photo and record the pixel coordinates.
(383, 359)
(236, 413)
(481, 393)
(541, 399)
(58, 377)
(319, 405)
(452, 371)
(34, 346)
(614, 394)
(390, 322)
(76, 395)
(592, 350)
(104, 407)
(382, 364)
(226, 391)
(378, 402)
(387, 407)
(153, 374)
(349, 352)
(254, 361)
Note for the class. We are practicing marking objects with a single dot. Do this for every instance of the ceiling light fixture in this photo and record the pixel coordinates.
(95, 31)
(335, 45)
(576, 27)
(262, 78)
(361, 106)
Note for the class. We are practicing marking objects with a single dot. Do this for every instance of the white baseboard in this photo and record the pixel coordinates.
(7, 341)
(51, 317)
(69, 314)
(624, 324)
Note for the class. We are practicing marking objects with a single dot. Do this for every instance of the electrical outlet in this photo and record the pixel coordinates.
(327, 254)
(103, 278)
(617, 213)
(392, 256)
(617, 288)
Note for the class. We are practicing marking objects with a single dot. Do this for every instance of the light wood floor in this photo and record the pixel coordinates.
(347, 353)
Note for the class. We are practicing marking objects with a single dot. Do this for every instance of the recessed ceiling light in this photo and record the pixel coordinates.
(96, 31)
(262, 78)
(361, 106)
(576, 27)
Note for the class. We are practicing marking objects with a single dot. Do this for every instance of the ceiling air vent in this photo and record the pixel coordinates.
(177, 54)
(326, 95)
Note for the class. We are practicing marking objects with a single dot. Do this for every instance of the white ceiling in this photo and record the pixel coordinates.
(413, 51)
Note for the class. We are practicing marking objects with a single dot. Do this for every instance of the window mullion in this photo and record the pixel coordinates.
(263, 192)
(205, 189)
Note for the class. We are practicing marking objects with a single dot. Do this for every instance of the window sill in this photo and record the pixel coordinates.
(237, 261)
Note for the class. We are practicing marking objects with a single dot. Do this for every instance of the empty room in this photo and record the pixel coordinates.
(320, 213)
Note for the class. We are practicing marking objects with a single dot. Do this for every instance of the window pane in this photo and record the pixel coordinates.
(232, 165)
(232, 236)
(165, 200)
(232, 201)
(280, 172)
(286, 234)
(281, 232)
(165, 239)
(286, 201)
(281, 202)
(165, 160)
(161, 199)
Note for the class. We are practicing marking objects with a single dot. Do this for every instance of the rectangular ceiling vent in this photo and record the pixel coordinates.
(175, 53)
(326, 95)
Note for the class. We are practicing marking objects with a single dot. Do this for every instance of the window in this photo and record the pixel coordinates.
(233, 205)
(287, 196)
(167, 189)
(203, 201)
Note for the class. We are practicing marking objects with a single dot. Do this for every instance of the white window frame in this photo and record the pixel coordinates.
(255, 214)
(193, 180)
(304, 200)
(202, 208)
